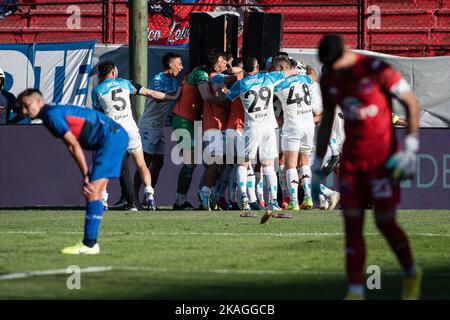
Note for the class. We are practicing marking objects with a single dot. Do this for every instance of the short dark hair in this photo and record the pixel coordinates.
(280, 59)
(331, 48)
(281, 53)
(105, 67)
(237, 62)
(27, 93)
(212, 57)
(249, 64)
(167, 59)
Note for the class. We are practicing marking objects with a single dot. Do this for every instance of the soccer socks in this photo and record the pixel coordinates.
(292, 179)
(326, 191)
(241, 175)
(232, 187)
(206, 191)
(355, 251)
(148, 191)
(181, 198)
(251, 192)
(398, 242)
(284, 181)
(184, 180)
(105, 196)
(259, 186)
(272, 182)
(222, 182)
(333, 147)
(305, 174)
(94, 214)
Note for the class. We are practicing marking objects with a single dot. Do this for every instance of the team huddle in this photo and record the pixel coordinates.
(240, 109)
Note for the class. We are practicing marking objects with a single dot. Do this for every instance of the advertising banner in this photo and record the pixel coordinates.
(60, 70)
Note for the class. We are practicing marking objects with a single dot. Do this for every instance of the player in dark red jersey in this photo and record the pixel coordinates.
(371, 164)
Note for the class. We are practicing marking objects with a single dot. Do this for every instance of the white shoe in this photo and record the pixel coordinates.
(333, 200)
(244, 204)
(324, 205)
(273, 206)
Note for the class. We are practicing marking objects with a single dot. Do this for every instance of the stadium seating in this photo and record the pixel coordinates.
(408, 27)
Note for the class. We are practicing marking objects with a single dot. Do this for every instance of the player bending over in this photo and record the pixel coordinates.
(371, 164)
(83, 128)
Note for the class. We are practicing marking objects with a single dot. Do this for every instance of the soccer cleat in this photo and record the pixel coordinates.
(244, 203)
(283, 215)
(307, 204)
(412, 285)
(262, 203)
(222, 203)
(324, 204)
(255, 206)
(185, 206)
(213, 205)
(204, 200)
(273, 206)
(266, 216)
(232, 206)
(80, 248)
(354, 296)
(293, 205)
(248, 215)
(151, 204)
(131, 207)
(333, 200)
(120, 204)
(285, 203)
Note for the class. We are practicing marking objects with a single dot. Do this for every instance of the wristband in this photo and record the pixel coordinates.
(412, 143)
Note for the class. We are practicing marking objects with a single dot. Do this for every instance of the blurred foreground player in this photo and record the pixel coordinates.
(371, 164)
(83, 128)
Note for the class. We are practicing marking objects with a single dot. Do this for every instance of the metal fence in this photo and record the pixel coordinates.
(406, 27)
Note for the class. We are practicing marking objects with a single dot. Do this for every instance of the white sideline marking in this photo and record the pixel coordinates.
(231, 234)
(21, 275)
(265, 272)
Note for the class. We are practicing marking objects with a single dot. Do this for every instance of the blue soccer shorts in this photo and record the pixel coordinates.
(107, 160)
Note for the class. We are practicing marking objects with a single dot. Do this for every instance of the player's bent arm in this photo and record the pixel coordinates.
(76, 151)
(401, 122)
(409, 101)
(158, 95)
(291, 72)
(207, 95)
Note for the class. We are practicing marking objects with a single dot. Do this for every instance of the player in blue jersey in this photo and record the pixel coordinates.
(256, 91)
(83, 128)
(155, 117)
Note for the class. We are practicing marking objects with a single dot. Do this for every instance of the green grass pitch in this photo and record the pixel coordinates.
(210, 255)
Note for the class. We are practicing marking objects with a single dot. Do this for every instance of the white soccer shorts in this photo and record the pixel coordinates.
(300, 140)
(264, 142)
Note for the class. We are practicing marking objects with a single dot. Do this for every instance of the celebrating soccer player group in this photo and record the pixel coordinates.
(240, 106)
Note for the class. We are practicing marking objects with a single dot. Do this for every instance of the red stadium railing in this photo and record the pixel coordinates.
(404, 27)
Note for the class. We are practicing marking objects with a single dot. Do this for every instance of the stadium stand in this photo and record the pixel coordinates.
(408, 27)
